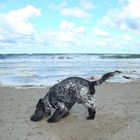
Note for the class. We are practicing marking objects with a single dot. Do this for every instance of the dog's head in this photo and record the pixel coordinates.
(40, 111)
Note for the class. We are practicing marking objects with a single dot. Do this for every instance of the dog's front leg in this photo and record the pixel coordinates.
(58, 114)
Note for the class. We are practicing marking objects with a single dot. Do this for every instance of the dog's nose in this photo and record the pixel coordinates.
(33, 119)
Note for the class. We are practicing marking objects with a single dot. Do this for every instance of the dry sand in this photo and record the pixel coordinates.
(118, 115)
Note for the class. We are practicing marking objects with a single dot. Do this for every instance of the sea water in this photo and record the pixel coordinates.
(48, 69)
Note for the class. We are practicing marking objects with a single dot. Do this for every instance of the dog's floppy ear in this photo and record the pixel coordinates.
(40, 102)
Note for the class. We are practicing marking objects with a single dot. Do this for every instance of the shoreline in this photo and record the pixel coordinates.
(117, 117)
(48, 86)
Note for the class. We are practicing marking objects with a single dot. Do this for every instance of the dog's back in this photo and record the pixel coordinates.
(69, 91)
(71, 84)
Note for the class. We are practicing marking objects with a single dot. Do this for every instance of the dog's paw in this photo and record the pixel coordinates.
(51, 120)
(65, 115)
(90, 118)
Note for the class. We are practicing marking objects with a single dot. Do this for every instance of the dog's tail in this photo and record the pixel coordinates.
(105, 77)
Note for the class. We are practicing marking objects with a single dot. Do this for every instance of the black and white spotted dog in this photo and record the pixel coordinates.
(62, 96)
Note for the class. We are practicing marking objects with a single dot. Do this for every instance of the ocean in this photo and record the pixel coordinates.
(48, 69)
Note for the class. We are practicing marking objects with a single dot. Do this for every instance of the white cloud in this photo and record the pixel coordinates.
(86, 4)
(64, 25)
(70, 26)
(80, 11)
(18, 21)
(58, 6)
(126, 18)
(111, 43)
(100, 33)
(132, 9)
(126, 38)
(68, 33)
(16, 27)
(75, 12)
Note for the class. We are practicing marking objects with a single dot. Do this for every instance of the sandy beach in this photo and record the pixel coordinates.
(118, 115)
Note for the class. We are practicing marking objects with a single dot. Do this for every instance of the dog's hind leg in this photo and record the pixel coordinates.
(90, 105)
(92, 113)
(59, 113)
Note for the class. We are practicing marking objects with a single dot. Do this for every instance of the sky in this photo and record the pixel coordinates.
(70, 26)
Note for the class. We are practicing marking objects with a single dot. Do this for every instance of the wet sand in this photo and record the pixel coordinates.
(118, 115)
